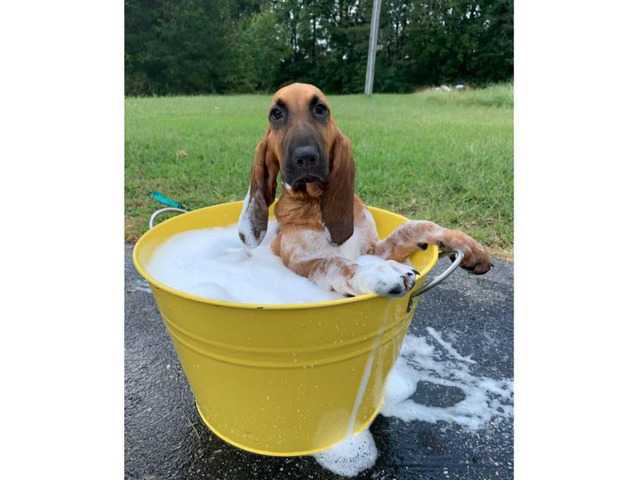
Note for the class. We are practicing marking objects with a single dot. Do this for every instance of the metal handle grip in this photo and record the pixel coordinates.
(459, 256)
(161, 211)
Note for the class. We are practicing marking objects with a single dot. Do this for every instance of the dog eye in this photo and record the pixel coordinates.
(276, 114)
(320, 109)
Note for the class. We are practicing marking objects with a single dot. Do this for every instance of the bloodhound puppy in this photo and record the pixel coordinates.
(323, 226)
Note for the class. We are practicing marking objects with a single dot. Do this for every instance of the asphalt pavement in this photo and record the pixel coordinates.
(165, 438)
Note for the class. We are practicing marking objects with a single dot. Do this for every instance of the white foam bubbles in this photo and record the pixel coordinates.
(213, 263)
(350, 457)
(432, 360)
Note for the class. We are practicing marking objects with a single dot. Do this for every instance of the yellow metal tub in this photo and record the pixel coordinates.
(284, 379)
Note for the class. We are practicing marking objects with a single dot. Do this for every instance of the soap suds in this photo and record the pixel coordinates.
(213, 263)
(430, 359)
(447, 346)
(433, 360)
(350, 457)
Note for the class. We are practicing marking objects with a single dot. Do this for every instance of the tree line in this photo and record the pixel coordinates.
(236, 46)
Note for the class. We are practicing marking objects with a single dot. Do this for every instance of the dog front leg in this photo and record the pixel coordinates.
(389, 279)
(415, 235)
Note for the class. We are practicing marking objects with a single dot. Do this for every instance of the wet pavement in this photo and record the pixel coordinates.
(165, 438)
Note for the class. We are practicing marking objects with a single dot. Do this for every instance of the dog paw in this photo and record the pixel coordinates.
(476, 260)
(387, 279)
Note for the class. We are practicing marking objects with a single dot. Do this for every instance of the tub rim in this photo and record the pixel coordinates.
(272, 306)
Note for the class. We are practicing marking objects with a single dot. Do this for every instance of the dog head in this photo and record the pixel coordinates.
(303, 144)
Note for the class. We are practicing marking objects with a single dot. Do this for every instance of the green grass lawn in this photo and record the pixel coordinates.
(442, 156)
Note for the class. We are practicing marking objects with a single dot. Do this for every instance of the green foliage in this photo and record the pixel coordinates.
(259, 46)
(225, 46)
(442, 156)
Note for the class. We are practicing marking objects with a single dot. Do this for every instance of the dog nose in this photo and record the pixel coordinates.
(306, 156)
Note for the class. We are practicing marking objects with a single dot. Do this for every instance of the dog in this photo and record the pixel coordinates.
(323, 226)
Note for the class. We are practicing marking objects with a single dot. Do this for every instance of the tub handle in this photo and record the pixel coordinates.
(161, 211)
(440, 278)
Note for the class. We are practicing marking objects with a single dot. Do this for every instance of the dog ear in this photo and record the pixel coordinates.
(337, 199)
(252, 225)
